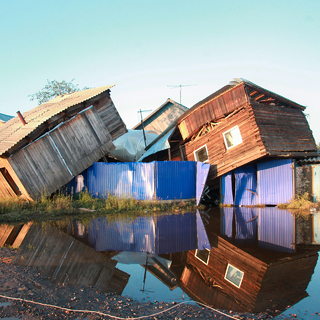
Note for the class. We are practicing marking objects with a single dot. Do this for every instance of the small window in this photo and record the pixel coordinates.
(203, 255)
(201, 154)
(232, 137)
(234, 275)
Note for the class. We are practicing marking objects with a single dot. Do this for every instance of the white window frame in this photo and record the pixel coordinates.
(195, 153)
(236, 269)
(206, 263)
(225, 140)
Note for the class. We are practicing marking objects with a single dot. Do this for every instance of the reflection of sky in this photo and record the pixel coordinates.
(160, 292)
(311, 304)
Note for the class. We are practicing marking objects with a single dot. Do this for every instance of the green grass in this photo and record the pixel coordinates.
(59, 205)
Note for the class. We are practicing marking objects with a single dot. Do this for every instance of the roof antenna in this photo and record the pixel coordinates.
(144, 134)
(174, 86)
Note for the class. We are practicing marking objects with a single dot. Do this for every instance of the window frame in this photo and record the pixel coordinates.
(241, 273)
(225, 140)
(195, 254)
(195, 153)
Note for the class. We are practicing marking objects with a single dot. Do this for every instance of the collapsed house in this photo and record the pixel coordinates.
(163, 117)
(43, 149)
(247, 134)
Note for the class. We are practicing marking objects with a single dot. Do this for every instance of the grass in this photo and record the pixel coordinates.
(59, 205)
(300, 205)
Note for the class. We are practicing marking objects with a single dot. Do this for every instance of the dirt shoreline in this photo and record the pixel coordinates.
(31, 284)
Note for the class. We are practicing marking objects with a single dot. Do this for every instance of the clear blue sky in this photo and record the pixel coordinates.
(144, 46)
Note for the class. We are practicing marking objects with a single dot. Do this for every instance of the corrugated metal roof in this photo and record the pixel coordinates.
(14, 131)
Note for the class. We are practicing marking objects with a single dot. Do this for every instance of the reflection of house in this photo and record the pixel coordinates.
(69, 261)
(243, 124)
(46, 147)
(162, 118)
(241, 275)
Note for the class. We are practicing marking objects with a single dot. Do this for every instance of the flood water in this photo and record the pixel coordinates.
(245, 259)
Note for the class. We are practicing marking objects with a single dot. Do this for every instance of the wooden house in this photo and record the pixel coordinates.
(239, 124)
(44, 148)
(163, 117)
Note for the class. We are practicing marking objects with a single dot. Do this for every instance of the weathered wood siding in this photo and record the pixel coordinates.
(54, 159)
(164, 119)
(221, 159)
(6, 189)
(111, 118)
(283, 130)
(212, 110)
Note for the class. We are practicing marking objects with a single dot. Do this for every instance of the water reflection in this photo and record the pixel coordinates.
(230, 258)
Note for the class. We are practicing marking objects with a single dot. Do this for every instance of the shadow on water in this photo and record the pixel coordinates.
(238, 258)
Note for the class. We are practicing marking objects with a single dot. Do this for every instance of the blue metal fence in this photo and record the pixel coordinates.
(175, 180)
(246, 186)
(227, 194)
(275, 181)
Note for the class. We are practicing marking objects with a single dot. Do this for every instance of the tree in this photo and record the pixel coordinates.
(53, 89)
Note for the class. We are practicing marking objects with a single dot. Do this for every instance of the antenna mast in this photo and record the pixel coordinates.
(174, 86)
(142, 125)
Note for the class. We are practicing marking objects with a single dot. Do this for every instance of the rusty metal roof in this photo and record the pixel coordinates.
(14, 131)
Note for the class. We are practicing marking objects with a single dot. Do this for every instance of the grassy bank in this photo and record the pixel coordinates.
(17, 209)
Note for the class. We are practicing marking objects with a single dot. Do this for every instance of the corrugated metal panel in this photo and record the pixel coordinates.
(176, 233)
(13, 131)
(246, 224)
(202, 174)
(316, 183)
(175, 180)
(203, 240)
(122, 179)
(316, 228)
(276, 230)
(227, 222)
(227, 194)
(246, 186)
(77, 184)
(136, 236)
(275, 181)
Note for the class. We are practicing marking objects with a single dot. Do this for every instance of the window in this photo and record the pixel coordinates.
(234, 275)
(232, 137)
(203, 255)
(201, 154)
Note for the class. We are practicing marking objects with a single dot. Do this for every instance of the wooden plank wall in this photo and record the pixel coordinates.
(283, 129)
(164, 119)
(69, 261)
(221, 159)
(5, 188)
(222, 253)
(212, 110)
(111, 118)
(80, 141)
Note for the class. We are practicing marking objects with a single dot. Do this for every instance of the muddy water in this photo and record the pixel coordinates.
(245, 259)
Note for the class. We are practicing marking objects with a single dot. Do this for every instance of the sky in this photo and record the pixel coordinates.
(145, 46)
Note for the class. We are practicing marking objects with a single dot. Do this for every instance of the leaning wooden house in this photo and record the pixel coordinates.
(44, 148)
(239, 125)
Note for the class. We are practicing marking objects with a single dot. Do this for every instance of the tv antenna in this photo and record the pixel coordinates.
(144, 134)
(174, 86)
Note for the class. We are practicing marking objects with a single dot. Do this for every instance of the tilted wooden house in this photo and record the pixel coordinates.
(239, 124)
(43, 149)
(163, 117)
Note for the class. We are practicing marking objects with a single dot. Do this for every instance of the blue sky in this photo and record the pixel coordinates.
(144, 46)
